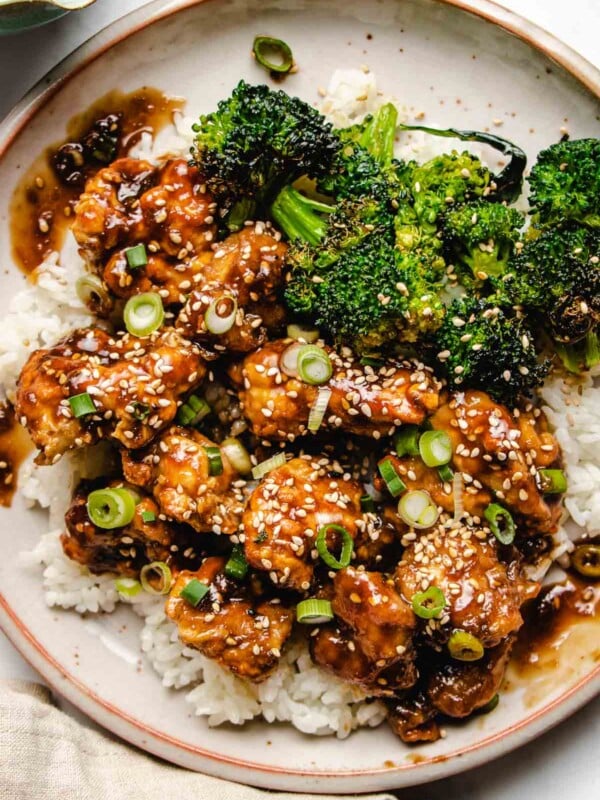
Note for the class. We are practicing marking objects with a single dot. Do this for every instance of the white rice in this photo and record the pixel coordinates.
(298, 691)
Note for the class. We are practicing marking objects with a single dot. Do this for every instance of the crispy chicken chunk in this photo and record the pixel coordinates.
(175, 469)
(483, 595)
(233, 626)
(371, 644)
(363, 400)
(413, 718)
(286, 511)
(121, 550)
(132, 201)
(244, 270)
(502, 453)
(170, 278)
(135, 385)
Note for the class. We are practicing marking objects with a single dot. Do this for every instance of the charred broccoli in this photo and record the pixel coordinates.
(256, 142)
(555, 277)
(480, 238)
(565, 184)
(483, 346)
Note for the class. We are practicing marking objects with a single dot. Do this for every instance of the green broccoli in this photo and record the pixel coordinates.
(565, 184)
(555, 277)
(482, 346)
(480, 238)
(256, 142)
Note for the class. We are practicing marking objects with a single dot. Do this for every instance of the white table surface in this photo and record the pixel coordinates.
(558, 766)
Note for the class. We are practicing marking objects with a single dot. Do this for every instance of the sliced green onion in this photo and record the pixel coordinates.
(143, 314)
(194, 591)
(367, 504)
(326, 556)
(393, 481)
(318, 409)
(288, 360)
(446, 473)
(265, 48)
(429, 604)
(128, 587)
(237, 455)
(111, 508)
(406, 441)
(465, 647)
(160, 570)
(435, 448)
(82, 404)
(552, 481)
(237, 566)
(148, 516)
(314, 611)
(314, 365)
(490, 705)
(215, 462)
(585, 559)
(220, 315)
(418, 510)
(140, 410)
(193, 411)
(501, 523)
(308, 335)
(136, 256)
(92, 293)
(260, 470)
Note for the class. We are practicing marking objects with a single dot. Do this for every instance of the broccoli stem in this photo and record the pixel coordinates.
(509, 180)
(242, 210)
(299, 217)
(379, 134)
(581, 356)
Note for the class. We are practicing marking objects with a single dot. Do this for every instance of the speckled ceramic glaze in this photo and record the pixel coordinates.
(462, 69)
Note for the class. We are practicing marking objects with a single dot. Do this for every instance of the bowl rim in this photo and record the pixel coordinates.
(121, 723)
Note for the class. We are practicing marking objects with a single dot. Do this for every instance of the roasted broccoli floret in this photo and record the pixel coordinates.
(565, 184)
(257, 141)
(555, 277)
(480, 238)
(506, 184)
(482, 346)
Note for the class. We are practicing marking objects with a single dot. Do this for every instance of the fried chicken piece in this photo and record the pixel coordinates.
(286, 511)
(363, 400)
(169, 277)
(413, 719)
(175, 470)
(241, 631)
(132, 201)
(371, 643)
(501, 452)
(135, 385)
(121, 550)
(483, 595)
(458, 688)
(245, 269)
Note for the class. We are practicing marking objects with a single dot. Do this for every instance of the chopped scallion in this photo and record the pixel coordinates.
(128, 587)
(418, 510)
(308, 335)
(429, 604)
(143, 314)
(266, 48)
(194, 591)
(136, 256)
(237, 455)
(464, 646)
(552, 481)
(111, 508)
(237, 566)
(406, 441)
(501, 523)
(314, 611)
(435, 448)
(148, 516)
(446, 473)
(193, 411)
(585, 559)
(323, 551)
(215, 462)
(220, 315)
(82, 404)
(260, 470)
(317, 412)
(393, 481)
(314, 365)
(159, 572)
(367, 504)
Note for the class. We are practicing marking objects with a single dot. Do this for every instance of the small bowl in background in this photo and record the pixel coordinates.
(17, 15)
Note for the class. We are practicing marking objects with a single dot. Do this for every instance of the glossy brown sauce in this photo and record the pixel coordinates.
(15, 445)
(41, 204)
(560, 639)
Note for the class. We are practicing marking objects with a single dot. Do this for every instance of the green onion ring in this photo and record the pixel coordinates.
(260, 470)
(93, 294)
(220, 315)
(306, 335)
(393, 481)
(143, 314)
(193, 411)
(237, 455)
(495, 515)
(429, 604)
(136, 256)
(585, 559)
(237, 566)
(264, 45)
(326, 556)
(82, 405)
(418, 510)
(160, 569)
(111, 508)
(215, 462)
(435, 448)
(314, 365)
(128, 587)
(314, 611)
(464, 646)
(317, 412)
(552, 481)
(406, 441)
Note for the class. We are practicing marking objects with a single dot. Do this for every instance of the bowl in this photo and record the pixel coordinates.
(18, 15)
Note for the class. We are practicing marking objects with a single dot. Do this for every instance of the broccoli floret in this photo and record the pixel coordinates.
(259, 140)
(482, 346)
(565, 183)
(480, 238)
(556, 278)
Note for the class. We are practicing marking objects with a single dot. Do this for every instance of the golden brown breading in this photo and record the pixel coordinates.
(242, 632)
(135, 384)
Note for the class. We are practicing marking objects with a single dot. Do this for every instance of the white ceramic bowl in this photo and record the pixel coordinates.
(463, 70)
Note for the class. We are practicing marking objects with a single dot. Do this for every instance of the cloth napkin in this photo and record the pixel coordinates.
(47, 755)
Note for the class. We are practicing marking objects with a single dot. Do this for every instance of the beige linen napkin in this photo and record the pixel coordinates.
(47, 755)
